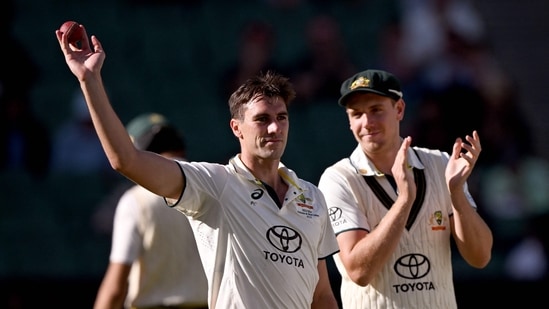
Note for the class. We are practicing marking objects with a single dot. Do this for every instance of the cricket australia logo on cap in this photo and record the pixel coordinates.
(360, 82)
(285, 240)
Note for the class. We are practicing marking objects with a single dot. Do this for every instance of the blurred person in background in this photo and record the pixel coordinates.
(154, 261)
(325, 62)
(76, 147)
(513, 186)
(25, 142)
(255, 54)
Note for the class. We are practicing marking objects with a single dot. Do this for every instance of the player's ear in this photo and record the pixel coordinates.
(235, 127)
(401, 107)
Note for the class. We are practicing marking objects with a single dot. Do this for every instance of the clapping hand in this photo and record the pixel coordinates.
(461, 163)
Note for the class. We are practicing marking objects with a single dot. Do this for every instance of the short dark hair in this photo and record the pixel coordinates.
(269, 84)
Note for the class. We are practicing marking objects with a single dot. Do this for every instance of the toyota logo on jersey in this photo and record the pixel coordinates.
(334, 213)
(412, 266)
(284, 238)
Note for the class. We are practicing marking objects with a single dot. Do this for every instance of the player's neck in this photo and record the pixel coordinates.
(384, 160)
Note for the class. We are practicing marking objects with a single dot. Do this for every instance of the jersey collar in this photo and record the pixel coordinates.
(365, 167)
(287, 174)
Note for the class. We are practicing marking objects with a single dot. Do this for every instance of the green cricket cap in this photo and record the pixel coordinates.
(374, 81)
(154, 132)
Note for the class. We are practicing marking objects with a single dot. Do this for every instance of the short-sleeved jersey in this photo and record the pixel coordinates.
(159, 244)
(419, 272)
(255, 253)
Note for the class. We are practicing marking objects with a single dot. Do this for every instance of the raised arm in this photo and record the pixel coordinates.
(154, 172)
(473, 237)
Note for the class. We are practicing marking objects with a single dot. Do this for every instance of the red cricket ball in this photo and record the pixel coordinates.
(74, 33)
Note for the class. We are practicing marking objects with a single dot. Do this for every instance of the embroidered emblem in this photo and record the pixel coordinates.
(437, 221)
(360, 82)
(303, 201)
(305, 205)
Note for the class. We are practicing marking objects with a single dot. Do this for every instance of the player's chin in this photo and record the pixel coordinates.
(370, 138)
(273, 152)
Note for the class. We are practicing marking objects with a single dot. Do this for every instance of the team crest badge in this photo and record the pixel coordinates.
(437, 221)
(360, 82)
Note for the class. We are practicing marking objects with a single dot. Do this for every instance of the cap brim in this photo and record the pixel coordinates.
(342, 100)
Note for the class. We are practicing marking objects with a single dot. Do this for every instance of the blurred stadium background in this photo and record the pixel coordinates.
(168, 56)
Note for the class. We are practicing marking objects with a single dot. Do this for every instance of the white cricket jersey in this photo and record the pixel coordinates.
(159, 244)
(419, 272)
(255, 254)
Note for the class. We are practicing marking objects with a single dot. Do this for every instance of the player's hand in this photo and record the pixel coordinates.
(461, 163)
(84, 60)
(403, 172)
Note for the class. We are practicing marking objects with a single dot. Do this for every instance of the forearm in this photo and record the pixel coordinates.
(472, 235)
(113, 288)
(325, 303)
(323, 297)
(109, 300)
(136, 165)
(372, 252)
(110, 130)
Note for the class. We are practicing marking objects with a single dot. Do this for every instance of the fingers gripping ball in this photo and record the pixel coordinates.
(74, 33)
